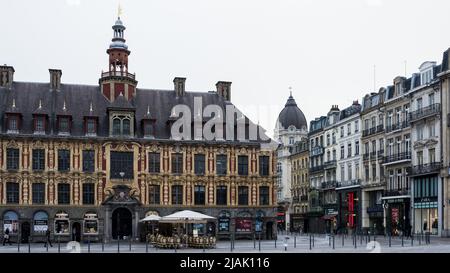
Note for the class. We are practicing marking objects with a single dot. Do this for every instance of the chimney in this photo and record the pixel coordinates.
(224, 89)
(179, 86)
(6, 76)
(55, 79)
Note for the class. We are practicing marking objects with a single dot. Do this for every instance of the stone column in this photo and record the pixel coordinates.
(107, 227)
(135, 225)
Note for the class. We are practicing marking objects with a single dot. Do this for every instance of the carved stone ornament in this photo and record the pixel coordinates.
(12, 144)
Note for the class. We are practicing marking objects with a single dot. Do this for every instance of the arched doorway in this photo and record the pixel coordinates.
(121, 223)
(76, 232)
(25, 232)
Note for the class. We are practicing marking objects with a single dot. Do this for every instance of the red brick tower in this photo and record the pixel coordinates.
(117, 80)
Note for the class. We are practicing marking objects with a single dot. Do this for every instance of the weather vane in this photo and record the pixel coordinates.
(290, 90)
(119, 11)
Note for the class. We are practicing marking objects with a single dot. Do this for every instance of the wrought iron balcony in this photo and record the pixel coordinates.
(329, 185)
(316, 150)
(316, 169)
(373, 130)
(330, 164)
(428, 111)
(397, 126)
(434, 167)
(380, 154)
(353, 182)
(397, 157)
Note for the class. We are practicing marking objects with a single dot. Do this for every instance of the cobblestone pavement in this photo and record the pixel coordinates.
(295, 244)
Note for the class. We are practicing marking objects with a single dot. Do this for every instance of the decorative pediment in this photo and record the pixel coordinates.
(88, 146)
(154, 148)
(177, 149)
(243, 151)
(12, 144)
(63, 145)
(122, 147)
(419, 144)
(431, 143)
(38, 145)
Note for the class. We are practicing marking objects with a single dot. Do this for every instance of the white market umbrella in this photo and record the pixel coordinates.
(151, 218)
(186, 216)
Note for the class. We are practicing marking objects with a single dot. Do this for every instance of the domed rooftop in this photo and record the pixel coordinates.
(292, 115)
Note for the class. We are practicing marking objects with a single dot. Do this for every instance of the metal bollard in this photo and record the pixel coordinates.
(343, 239)
(259, 243)
(329, 240)
(402, 239)
(412, 239)
(46, 244)
(275, 243)
(103, 245)
(29, 245)
(295, 241)
(254, 241)
(310, 242)
(146, 246)
(356, 240)
(313, 239)
(59, 244)
(389, 240)
(333, 241)
(118, 244)
(361, 237)
(130, 244)
(18, 243)
(89, 244)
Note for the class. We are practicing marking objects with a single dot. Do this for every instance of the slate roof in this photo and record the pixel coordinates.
(78, 100)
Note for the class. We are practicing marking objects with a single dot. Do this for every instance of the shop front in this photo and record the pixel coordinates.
(425, 205)
(90, 227)
(297, 222)
(330, 217)
(61, 228)
(349, 210)
(243, 225)
(398, 216)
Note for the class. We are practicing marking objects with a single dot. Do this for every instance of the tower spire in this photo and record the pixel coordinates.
(119, 11)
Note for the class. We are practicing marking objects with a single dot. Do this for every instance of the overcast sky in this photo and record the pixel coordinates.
(325, 49)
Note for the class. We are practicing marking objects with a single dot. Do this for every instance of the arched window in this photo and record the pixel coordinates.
(40, 222)
(116, 127)
(126, 127)
(11, 222)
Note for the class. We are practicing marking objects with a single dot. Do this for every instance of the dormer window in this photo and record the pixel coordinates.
(148, 127)
(91, 126)
(121, 125)
(39, 124)
(12, 125)
(427, 76)
(63, 125)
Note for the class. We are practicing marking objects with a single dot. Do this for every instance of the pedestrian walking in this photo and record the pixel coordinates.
(47, 238)
(6, 237)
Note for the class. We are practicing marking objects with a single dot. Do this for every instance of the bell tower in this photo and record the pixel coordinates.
(117, 80)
